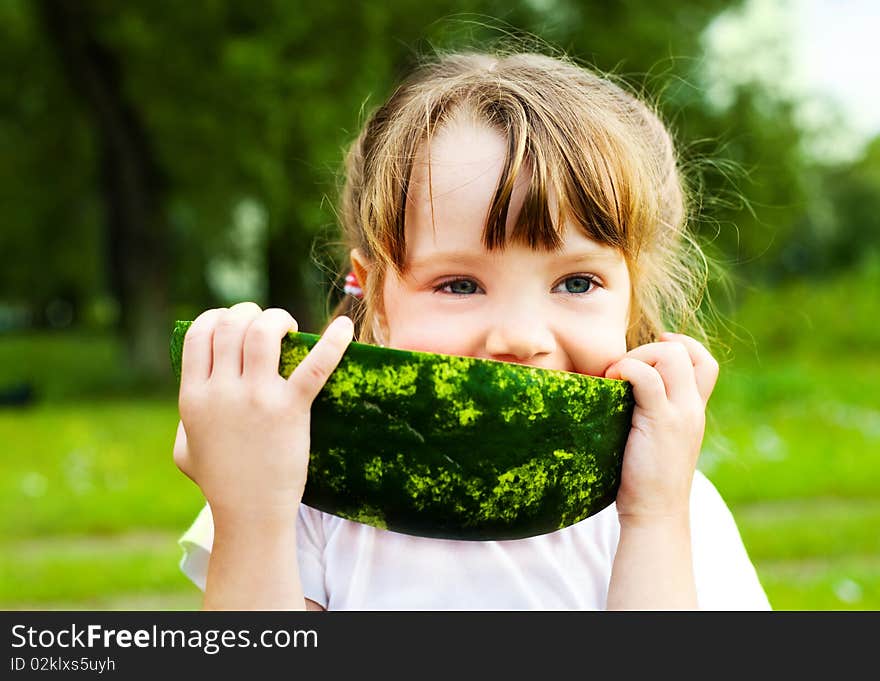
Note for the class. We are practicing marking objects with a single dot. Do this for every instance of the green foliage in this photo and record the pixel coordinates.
(842, 226)
(258, 101)
(816, 315)
(73, 365)
(48, 179)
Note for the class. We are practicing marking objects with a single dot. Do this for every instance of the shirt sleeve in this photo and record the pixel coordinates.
(198, 540)
(196, 543)
(310, 544)
(725, 577)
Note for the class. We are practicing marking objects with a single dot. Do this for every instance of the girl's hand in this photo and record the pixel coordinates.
(672, 381)
(244, 431)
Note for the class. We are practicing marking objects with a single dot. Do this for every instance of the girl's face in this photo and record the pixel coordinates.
(563, 310)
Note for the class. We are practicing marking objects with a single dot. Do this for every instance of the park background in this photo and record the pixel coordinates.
(159, 158)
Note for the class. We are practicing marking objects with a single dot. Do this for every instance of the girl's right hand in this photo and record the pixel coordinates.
(243, 437)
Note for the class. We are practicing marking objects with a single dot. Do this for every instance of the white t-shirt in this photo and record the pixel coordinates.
(346, 565)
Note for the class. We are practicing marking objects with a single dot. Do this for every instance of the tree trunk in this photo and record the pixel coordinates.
(288, 254)
(136, 229)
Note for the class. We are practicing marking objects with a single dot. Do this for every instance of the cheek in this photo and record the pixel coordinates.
(411, 327)
(594, 348)
(415, 322)
(420, 333)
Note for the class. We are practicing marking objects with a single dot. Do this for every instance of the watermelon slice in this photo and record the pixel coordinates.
(457, 447)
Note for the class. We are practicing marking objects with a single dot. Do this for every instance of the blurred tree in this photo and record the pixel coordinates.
(50, 246)
(856, 195)
(841, 227)
(744, 162)
(753, 181)
(132, 184)
(132, 145)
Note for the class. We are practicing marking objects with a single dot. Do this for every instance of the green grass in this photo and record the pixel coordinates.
(92, 468)
(793, 440)
(91, 504)
(74, 365)
(798, 430)
(94, 572)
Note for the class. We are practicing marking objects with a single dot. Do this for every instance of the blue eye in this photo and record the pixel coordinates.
(575, 285)
(458, 286)
(579, 284)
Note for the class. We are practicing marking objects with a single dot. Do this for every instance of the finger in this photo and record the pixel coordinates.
(705, 365)
(312, 373)
(229, 339)
(673, 363)
(197, 356)
(262, 343)
(648, 388)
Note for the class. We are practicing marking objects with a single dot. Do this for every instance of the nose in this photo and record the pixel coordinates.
(519, 338)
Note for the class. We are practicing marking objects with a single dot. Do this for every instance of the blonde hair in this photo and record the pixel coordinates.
(603, 153)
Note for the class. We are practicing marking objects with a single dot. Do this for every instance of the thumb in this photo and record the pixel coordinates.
(312, 373)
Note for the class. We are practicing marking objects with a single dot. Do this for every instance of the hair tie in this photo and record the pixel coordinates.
(353, 286)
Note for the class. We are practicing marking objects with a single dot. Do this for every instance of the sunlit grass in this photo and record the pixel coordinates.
(796, 431)
(92, 467)
(850, 582)
(87, 569)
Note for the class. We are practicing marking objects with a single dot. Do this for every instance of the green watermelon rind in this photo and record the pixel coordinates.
(457, 447)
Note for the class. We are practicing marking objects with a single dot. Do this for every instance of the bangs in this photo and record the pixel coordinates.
(579, 151)
(570, 178)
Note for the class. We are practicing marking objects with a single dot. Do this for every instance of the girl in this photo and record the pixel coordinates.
(517, 208)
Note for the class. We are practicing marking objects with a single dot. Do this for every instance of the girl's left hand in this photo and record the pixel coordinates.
(672, 380)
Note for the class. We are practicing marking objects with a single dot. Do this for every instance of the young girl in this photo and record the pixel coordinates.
(517, 208)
